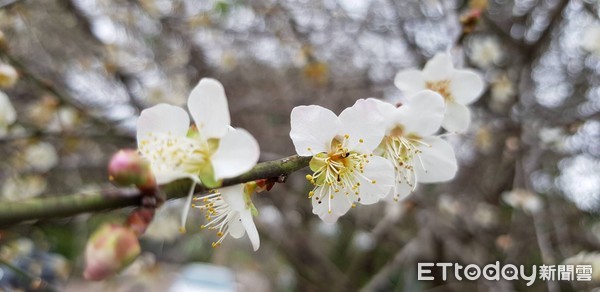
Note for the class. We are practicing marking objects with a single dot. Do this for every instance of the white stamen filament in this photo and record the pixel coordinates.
(341, 171)
(403, 152)
(218, 214)
(174, 153)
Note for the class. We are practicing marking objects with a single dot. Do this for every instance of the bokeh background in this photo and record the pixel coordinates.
(528, 188)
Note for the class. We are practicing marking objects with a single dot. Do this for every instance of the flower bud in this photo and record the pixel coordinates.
(110, 249)
(127, 168)
(8, 76)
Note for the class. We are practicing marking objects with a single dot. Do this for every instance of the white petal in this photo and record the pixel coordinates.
(234, 196)
(422, 114)
(402, 190)
(439, 67)
(382, 172)
(364, 126)
(329, 217)
(251, 230)
(208, 105)
(238, 152)
(457, 118)
(236, 228)
(410, 81)
(166, 176)
(466, 86)
(162, 118)
(8, 115)
(313, 129)
(339, 205)
(438, 159)
(387, 111)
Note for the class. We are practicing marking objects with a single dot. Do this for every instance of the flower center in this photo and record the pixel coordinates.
(404, 152)
(442, 87)
(338, 171)
(168, 152)
(218, 214)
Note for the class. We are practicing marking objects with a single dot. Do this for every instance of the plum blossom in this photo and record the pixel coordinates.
(41, 156)
(8, 115)
(591, 39)
(502, 91)
(459, 88)
(344, 170)
(229, 211)
(18, 188)
(524, 200)
(206, 153)
(485, 52)
(409, 144)
(8, 76)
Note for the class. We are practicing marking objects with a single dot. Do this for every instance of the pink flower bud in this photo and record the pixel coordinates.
(110, 249)
(127, 168)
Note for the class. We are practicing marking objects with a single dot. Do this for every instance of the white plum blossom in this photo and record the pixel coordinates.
(485, 52)
(18, 188)
(229, 211)
(458, 87)
(524, 200)
(207, 152)
(41, 156)
(553, 138)
(503, 90)
(345, 171)
(8, 76)
(8, 115)
(591, 39)
(65, 119)
(586, 258)
(165, 225)
(410, 145)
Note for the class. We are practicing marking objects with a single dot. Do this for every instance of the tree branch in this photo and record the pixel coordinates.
(63, 206)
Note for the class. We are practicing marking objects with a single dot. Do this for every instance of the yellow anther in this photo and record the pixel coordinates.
(219, 234)
(182, 230)
(309, 177)
(361, 141)
(346, 136)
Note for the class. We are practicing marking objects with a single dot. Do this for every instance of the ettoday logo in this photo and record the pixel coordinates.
(492, 272)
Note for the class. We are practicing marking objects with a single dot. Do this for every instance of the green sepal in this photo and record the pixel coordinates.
(248, 191)
(207, 176)
(213, 145)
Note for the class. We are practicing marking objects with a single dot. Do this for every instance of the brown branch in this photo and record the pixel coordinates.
(63, 206)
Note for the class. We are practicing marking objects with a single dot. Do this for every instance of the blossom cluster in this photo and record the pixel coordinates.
(371, 151)
(374, 150)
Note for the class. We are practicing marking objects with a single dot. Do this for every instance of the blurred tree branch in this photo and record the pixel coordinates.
(113, 198)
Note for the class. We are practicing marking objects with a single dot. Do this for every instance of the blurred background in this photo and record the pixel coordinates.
(528, 187)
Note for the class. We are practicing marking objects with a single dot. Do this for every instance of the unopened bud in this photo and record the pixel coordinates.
(127, 168)
(8, 76)
(110, 249)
